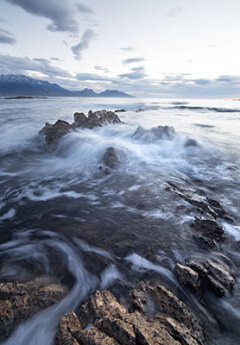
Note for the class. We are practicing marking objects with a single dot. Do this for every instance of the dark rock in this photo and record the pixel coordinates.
(95, 119)
(53, 133)
(80, 120)
(19, 302)
(120, 111)
(212, 275)
(160, 132)
(209, 230)
(188, 276)
(110, 158)
(201, 204)
(111, 323)
(190, 142)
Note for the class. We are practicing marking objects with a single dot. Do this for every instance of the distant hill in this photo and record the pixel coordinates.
(20, 85)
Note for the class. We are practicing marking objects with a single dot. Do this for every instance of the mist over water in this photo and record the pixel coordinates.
(111, 230)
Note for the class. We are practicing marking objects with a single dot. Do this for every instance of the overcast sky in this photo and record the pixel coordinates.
(186, 48)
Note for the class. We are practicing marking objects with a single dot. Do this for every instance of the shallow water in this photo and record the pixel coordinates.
(61, 216)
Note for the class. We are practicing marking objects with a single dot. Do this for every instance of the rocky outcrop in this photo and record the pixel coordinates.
(53, 133)
(202, 274)
(205, 226)
(208, 230)
(103, 320)
(110, 160)
(95, 119)
(160, 132)
(19, 302)
(202, 204)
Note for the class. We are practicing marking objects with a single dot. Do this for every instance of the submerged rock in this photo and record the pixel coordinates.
(103, 320)
(19, 302)
(160, 132)
(110, 158)
(205, 274)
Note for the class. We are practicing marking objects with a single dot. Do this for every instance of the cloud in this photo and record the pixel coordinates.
(103, 69)
(55, 59)
(21, 65)
(136, 73)
(59, 12)
(128, 48)
(133, 60)
(87, 37)
(84, 9)
(92, 77)
(6, 37)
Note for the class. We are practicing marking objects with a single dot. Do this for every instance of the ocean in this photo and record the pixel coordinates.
(61, 216)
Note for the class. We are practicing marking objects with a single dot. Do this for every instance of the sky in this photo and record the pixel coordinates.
(151, 48)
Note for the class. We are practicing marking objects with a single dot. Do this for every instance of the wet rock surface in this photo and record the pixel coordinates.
(20, 301)
(160, 132)
(110, 160)
(53, 133)
(208, 230)
(95, 119)
(205, 227)
(202, 274)
(103, 320)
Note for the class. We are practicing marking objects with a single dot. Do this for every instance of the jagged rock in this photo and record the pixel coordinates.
(80, 120)
(212, 275)
(172, 306)
(19, 302)
(202, 204)
(95, 119)
(187, 276)
(208, 230)
(160, 132)
(53, 133)
(112, 323)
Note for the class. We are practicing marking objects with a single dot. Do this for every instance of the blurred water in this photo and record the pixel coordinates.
(111, 230)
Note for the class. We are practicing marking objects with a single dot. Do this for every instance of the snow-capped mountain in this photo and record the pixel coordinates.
(12, 84)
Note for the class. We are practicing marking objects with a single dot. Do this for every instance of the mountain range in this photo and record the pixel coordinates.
(15, 85)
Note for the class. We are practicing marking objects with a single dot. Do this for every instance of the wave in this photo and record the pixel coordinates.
(182, 106)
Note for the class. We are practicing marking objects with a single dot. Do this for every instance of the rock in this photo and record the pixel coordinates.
(53, 133)
(190, 142)
(95, 119)
(201, 204)
(19, 302)
(112, 323)
(110, 158)
(120, 111)
(160, 132)
(80, 120)
(173, 307)
(208, 230)
(212, 275)
(187, 276)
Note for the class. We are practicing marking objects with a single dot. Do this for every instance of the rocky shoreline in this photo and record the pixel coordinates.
(151, 313)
